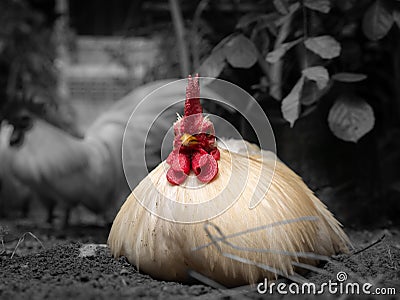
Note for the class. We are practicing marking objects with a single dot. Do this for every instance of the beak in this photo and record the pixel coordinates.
(188, 139)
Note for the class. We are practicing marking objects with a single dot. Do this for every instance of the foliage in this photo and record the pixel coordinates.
(334, 46)
(349, 119)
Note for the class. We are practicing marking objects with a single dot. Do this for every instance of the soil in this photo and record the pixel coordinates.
(75, 264)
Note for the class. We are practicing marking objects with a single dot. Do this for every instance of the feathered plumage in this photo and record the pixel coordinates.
(164, 249)
(153, 228)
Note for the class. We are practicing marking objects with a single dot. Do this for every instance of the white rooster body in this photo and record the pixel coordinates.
(166, 249)
(222, 228)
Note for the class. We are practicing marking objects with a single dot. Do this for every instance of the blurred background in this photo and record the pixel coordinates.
(327, 74)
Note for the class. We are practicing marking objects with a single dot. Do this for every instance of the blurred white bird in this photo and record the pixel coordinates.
(65, 170)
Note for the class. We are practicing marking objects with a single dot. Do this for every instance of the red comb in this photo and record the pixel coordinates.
(192, 104)
(202, 155)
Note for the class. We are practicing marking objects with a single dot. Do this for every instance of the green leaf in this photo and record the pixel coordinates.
(325, 46)
(318, 74)
(282, 6)
(241, 52)
(396, 17)
(351, 118)
(349, 77)
(213, 65)
(311, 93)
(275, 56)
(323, 6)
(377, 21)
(291, 104)
(222, 43)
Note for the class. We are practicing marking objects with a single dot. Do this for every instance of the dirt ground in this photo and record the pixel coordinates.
(75, 263)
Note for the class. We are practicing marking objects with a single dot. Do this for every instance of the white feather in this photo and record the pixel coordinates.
(165, 249)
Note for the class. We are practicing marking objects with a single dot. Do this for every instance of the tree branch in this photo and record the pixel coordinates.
(180, 35)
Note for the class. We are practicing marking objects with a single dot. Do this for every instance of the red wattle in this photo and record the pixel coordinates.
(171, 157)
(215, 153)
(196, 167)
(176, 177)
(208, 168)
(179, 162)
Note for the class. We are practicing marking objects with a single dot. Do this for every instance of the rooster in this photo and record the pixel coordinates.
(166, 230)
(65, 170)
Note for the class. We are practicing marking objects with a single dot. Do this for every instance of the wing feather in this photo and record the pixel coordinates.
(48, 152)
